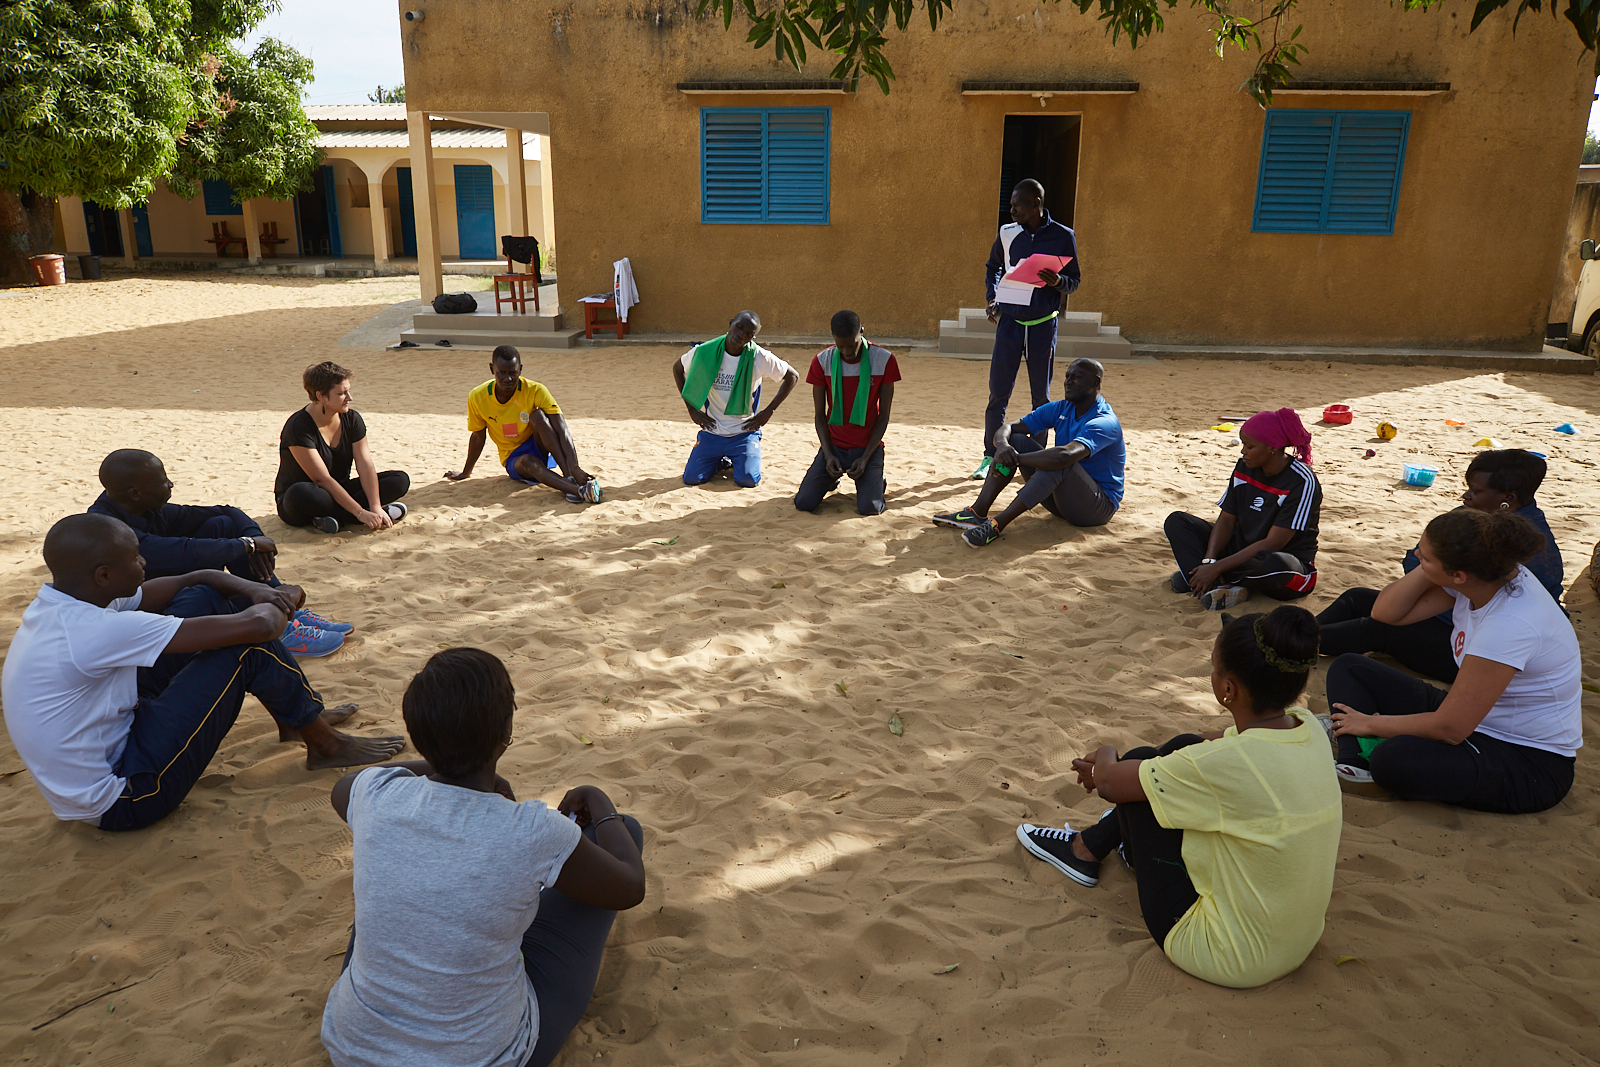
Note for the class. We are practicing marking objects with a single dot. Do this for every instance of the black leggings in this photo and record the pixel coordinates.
(1154, 851)
(1348, 626)
(1279, 575)
(304, 501)
(1483, 772)
(561, 952)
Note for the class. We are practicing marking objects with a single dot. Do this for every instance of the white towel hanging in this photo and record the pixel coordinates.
(622, 287)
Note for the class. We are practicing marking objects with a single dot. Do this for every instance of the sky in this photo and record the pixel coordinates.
(354, 45)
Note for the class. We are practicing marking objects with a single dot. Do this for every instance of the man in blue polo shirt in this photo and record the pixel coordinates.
(1079, 481)
(1024, 315)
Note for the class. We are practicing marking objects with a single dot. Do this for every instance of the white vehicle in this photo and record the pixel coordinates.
(1583, 331)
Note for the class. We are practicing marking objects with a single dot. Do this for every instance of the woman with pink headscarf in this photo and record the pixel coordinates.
(1265, 538)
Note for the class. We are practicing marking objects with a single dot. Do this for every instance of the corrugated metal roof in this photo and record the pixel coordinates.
(356, 112)
(400, 139)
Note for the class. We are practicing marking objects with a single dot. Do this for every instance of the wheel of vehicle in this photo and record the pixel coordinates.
(1591, 342)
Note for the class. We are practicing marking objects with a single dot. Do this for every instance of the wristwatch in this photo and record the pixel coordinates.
(249, 545)
(1205, 561)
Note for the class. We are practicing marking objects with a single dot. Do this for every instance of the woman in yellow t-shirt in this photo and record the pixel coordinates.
(1232, 836)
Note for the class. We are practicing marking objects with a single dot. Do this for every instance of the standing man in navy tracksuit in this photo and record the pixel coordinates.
(1025, 322)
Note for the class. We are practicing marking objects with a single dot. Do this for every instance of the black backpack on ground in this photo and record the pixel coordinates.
(455, 304)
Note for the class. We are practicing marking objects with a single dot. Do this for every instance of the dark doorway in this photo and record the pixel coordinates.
(105, 233)
(1044, 148)
(408, 213)
(312, 209)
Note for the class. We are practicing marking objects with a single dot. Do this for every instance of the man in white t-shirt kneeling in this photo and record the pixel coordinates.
(720, 383)
(116, 708)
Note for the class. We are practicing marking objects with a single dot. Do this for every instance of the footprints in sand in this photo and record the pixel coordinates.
(1151, 976)
(797, 778)
(675, 803)
(973, 778)
(963, 788)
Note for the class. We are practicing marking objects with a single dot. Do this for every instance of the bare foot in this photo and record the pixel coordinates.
(327, 747)
(344, 750)
(332, 716)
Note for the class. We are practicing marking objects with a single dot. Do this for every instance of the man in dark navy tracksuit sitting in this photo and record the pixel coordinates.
(1025, 321)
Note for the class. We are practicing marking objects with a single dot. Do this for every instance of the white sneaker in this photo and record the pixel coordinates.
(1349, 775)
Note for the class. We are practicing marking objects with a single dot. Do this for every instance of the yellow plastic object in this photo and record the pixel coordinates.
(1224, 427)
(1487, 442)
(1386, 431)
(1453, 422)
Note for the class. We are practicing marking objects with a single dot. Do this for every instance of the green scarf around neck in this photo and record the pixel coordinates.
(858, 410)
(703, 368)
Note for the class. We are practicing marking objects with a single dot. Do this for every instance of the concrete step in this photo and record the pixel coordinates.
(487, 339)
(1109, 344)
(546, 321)
(958, 341)
(1068, 323)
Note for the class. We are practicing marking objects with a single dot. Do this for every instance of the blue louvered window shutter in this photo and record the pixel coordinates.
(764, 165)
(219, 199)
(1330, 171)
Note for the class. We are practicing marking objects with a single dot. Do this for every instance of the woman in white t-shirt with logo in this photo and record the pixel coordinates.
(1505, 736)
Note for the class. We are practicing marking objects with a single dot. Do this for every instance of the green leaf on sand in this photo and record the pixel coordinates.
(1342, 960)
(896, 727)
(668, 543)
(947, 970)
(841, 687)
(779, 585)
(1591, 687)
(584, 739)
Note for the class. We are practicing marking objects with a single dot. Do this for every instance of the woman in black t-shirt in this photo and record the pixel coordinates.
(319, 444)
(1265, 539)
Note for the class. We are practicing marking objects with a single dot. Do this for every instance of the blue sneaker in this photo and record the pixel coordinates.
(307, 642)
(316, 621)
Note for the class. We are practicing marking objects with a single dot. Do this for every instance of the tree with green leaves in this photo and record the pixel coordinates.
(254, 133)
(854, 30)
(102, 98)
(397, 95)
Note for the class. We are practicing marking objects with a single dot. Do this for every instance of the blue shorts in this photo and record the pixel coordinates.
(530, 447)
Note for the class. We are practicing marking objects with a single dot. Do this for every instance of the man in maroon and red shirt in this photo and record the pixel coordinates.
(849, 425)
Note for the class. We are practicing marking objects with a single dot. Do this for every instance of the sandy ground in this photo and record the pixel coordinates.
(726, 668)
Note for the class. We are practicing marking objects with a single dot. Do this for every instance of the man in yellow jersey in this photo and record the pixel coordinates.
(527, 427)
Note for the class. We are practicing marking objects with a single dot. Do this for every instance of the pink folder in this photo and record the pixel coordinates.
(1027, 272)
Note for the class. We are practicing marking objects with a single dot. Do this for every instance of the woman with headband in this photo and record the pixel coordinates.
(1232, 835)
(1265, 537)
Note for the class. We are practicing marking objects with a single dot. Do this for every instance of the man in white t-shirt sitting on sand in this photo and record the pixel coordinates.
(720, 382)
(116, 709)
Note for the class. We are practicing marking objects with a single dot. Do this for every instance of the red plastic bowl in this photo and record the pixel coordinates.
(1339, 414)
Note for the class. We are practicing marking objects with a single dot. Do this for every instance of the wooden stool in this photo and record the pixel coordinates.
(592, 320)
(516, 293)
